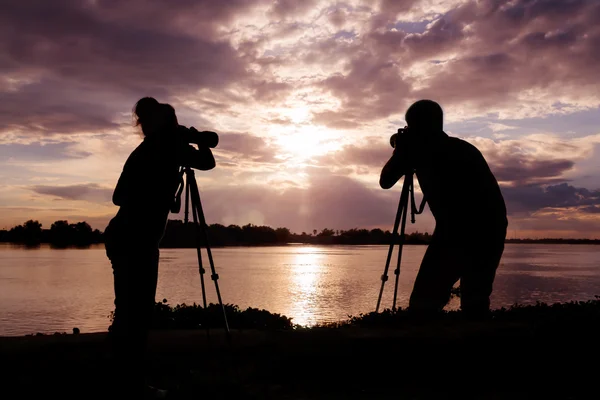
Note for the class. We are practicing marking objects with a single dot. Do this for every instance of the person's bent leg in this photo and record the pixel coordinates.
(437, 275)
(478, 279)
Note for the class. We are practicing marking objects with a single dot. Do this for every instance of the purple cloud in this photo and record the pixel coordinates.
(76, 66)
(535, 197)
(488, 54)
(88, 191)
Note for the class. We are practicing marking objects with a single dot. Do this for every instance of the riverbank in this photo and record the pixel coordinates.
(523, 353)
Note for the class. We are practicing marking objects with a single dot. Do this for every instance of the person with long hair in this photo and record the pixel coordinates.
(144, 193)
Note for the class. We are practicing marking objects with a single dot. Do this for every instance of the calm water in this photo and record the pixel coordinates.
(48, 290)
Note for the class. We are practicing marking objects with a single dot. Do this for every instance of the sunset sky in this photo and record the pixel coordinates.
(304, 96)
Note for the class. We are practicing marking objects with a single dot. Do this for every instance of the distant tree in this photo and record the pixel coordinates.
(236, 233)
(61, 234)
(377, 236)
(283, 235)
(32, 232)
(314, 232)
(326, 233)
(82, 233)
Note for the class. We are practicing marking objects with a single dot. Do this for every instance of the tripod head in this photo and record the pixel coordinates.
(189, 175)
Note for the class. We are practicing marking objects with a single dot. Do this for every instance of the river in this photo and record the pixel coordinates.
(54, 290)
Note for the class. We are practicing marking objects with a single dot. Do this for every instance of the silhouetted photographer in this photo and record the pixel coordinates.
(145, 194)
(468, 207)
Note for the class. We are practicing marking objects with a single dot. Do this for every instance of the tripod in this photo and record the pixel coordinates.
(407, 189)
(192, 191)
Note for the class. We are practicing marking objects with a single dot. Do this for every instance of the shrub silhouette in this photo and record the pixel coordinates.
(183, 316)
(540, 317)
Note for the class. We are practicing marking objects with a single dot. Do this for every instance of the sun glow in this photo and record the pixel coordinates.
(304, 142)
(307, 269)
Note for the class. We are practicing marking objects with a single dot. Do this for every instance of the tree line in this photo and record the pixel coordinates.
(178, 234)
(60, 234)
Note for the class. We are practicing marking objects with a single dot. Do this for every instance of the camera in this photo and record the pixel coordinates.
(201, 138)
(191, 156)
(402, 132)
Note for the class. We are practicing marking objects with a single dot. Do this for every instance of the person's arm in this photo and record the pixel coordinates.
(201, 158)
(392, 171)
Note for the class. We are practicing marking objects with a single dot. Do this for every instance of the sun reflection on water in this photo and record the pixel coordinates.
(306, 270)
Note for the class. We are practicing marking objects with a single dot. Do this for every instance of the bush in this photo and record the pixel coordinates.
(183, 316)
(541, 317)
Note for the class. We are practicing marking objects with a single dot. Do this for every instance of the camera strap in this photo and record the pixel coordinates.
(176, 206)
(413, 205)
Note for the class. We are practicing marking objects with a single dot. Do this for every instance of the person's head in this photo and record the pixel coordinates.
(168, 118)
(154, 117)
(425, 116)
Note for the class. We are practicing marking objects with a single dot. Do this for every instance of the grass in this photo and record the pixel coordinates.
(189, 317)
(521, 352)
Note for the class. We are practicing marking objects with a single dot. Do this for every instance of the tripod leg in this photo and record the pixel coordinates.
(401, 205)
(190, 180)
(198, 251)
(214, 276)
(408, 182)
(187, 201)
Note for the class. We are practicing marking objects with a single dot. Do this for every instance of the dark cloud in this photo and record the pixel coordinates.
(77, 66)
(87, 191)
(595, 209)
(526, 171)
(536, 197)
(110, 43)
(525, 162)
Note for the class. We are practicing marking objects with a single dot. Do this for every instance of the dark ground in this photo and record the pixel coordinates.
(491, 360)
